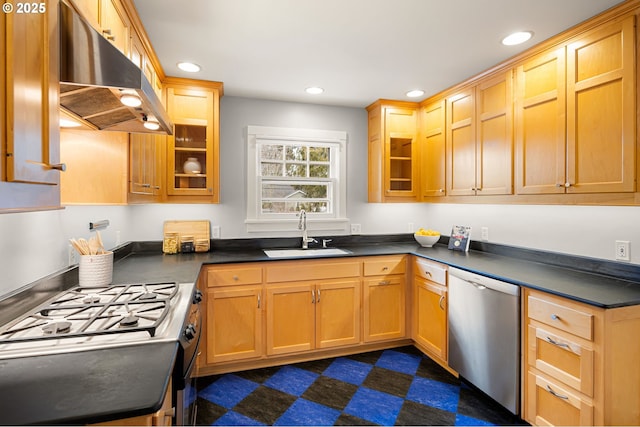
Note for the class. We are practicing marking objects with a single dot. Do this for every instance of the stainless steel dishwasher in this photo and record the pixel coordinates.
(484, 335)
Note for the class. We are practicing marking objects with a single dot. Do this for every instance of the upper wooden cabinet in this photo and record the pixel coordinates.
(433, 149)
(31, 96)
(480, 139)
(393, 153)
(29, 141)
(592, 149)
(109, 18)
(194, 108)
(145, 177)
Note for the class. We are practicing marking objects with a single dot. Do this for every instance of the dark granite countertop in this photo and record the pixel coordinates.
(595, 282)
(101, 385)
(86, 386)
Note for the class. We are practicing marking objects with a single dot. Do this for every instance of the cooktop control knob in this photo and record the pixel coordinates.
(197, 296)
(190, 332)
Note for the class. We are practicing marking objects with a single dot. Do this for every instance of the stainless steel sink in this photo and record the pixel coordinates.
(304, 253)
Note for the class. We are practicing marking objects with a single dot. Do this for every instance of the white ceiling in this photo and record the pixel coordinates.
(357, 50)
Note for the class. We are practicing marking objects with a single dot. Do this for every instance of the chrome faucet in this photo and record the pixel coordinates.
(302, 225)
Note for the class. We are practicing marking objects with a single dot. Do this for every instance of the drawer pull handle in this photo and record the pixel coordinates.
(384, 282)
(555, 317)
(559, 344)
(441, 301)
(385, 268)
(318, 296)
(313, 297)
(560, 396)
(428, 273)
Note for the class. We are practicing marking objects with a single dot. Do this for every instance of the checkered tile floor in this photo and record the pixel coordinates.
(390, 387)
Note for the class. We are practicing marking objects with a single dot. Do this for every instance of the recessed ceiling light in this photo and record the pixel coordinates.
(517, 38)
(314, 90)
(415, 93)
(189, 67)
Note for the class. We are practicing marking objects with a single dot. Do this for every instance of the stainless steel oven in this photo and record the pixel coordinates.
(184, 379)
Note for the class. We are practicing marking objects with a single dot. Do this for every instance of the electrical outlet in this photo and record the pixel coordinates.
(215, 231)
(73, 256)
(622, 250)
(484, 234)
(356, 229)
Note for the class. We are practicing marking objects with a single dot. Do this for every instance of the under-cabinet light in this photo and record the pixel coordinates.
(131, 100)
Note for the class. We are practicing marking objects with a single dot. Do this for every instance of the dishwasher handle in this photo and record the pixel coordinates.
(484, 282)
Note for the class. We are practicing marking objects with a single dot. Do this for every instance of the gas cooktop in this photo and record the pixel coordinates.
(82, 317)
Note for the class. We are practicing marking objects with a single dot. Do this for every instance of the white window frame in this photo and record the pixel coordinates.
(336, 221)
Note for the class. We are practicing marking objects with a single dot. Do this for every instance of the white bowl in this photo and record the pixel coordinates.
(426, 241)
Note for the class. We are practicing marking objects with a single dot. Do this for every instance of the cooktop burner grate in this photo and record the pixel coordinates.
(86, 312)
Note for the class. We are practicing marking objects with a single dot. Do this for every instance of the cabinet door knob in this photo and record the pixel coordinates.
(441, 301)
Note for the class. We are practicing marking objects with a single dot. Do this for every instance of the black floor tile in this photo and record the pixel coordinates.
(330, 392)
(415, 414)
(265, 405)
(373, 388)
(473, 403)
(385, 380)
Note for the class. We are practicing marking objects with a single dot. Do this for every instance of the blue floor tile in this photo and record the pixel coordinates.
(291, 380)
(234, 419)
(399, 362)
(375, 406)
(462, 420)
(306, 413)
(347, 370)
(228, 391)
(434, 393)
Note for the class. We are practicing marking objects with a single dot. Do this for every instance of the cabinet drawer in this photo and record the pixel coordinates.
(294, 271)
(551, 404)
(384, 265)
(432, 271)
(234, 276)
(561, 358)
(574, 321)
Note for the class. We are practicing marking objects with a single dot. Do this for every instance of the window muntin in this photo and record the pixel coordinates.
(296, 175)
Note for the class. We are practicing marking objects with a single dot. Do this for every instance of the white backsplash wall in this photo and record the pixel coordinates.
(35, 244)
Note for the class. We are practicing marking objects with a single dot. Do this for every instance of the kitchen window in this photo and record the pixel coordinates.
(293, 169)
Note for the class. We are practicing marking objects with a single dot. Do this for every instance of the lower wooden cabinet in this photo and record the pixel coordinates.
(384, 301)
(308, 316)
(430, 321)
(234, 323)
(430, 327)
(552, 403)
(581, 363)
(259, 312)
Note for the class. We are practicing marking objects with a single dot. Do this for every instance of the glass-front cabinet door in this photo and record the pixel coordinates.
(190, 158)
(192, 150)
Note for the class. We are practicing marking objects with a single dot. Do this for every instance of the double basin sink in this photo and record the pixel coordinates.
(304, 253)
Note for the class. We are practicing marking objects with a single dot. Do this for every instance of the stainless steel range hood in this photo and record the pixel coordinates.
(94, 74)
